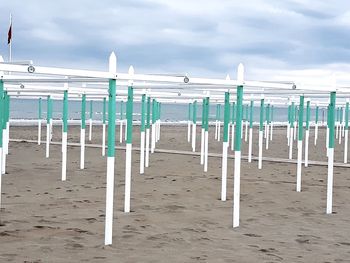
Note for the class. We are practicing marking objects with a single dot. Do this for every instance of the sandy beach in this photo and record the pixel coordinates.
(177, 215)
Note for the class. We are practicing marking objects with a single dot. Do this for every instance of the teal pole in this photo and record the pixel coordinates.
(129, 114)
(330, 152)
(83, 111)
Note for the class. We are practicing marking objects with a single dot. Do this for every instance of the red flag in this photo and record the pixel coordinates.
(9, 35)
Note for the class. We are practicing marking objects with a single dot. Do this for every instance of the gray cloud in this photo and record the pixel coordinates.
(179, 36)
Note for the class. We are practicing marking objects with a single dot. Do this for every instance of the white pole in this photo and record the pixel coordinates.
(336, 129)
(224, 171)
(153, 143)
(121, 132)
(3, 159)
(291, 143)
(307, 148)
(90, 129)
(142, 153)
(250, 145)
(202, 146)
(206, 151)
(233, 137)
(127, 178)
(260, 148)
(300, 153)
(39, 132)
(346, 146)
(296, 129)
(327, 139)
(236, 188)
(316, 133)
(64, 156)
(126, 130)
(109, 200)
(242, 129)
(82, 148)
(340, 133)
(246, 131)
(103, 139)
(219, 130)
(194, 133)
(7, 136)
(267, 137)
(216, 129)
(47, 140)
(1, 155)
(188, 131)
(288, 132)
(271, 132)
(147, 148)
(51, 129)
(330, 180)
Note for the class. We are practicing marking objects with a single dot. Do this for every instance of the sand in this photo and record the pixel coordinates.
(176, 212)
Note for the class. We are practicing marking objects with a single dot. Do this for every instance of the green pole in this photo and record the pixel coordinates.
(1, 112)
(233, 112)
(65, 111)
(104, 111)
(207, 114)
(307, 114)
(129, 113)
(153, 111)
(226, 115)
(148, 113)
(111, 118)
(143, 109)
(331, 120)
(238, 132)
(301, 118)
(48, 109)
(194, 119)
(261, 126)
(83, 111)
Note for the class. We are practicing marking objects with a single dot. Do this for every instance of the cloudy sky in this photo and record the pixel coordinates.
(272, 38)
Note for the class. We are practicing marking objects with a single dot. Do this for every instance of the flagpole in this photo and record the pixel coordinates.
(10, 44)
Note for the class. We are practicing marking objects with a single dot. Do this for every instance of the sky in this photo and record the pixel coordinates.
(274, 39)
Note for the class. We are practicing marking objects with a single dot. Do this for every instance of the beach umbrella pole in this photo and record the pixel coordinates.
(121, 123)
(142, 135)
(194, 126)
(307, 133)
(291, 131)
(261, 127)
(237, 162)
(1, 131)
(316, 126)
(39, 123)
(129, 114)
(225, 147)
(153, 138)
(206, 135)
(64, 135)
(330, 153)
(346, 131)
(48, 128)
(233, 127)
(300, 143)
(104, 128)
(82, 132)
(250, 146)
(90, 121)
(148, 131)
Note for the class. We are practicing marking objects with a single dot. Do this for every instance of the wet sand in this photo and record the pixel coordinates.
(176, 212)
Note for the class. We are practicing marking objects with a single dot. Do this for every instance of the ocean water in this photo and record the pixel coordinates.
(28, 109)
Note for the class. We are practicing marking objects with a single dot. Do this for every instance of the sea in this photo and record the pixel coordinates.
(28, 110)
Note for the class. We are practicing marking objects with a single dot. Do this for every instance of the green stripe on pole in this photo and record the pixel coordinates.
(194, 119)
(301, 118)
(233, 112)
(153, 111)
(226, 115)
(129, 113)
(91, 112)
(347, 115)
(261, 126)
(239, 118)
(48, 109)
(111, 118)
(148, 113)
(331, 120)
(65, 111)
(207, 114)
(104, 111)
(40, 110)
(251, 114)
(1, 107)
(83, 111)
(307, 114)
(316, 118)
(143, 110)
(203, 113)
